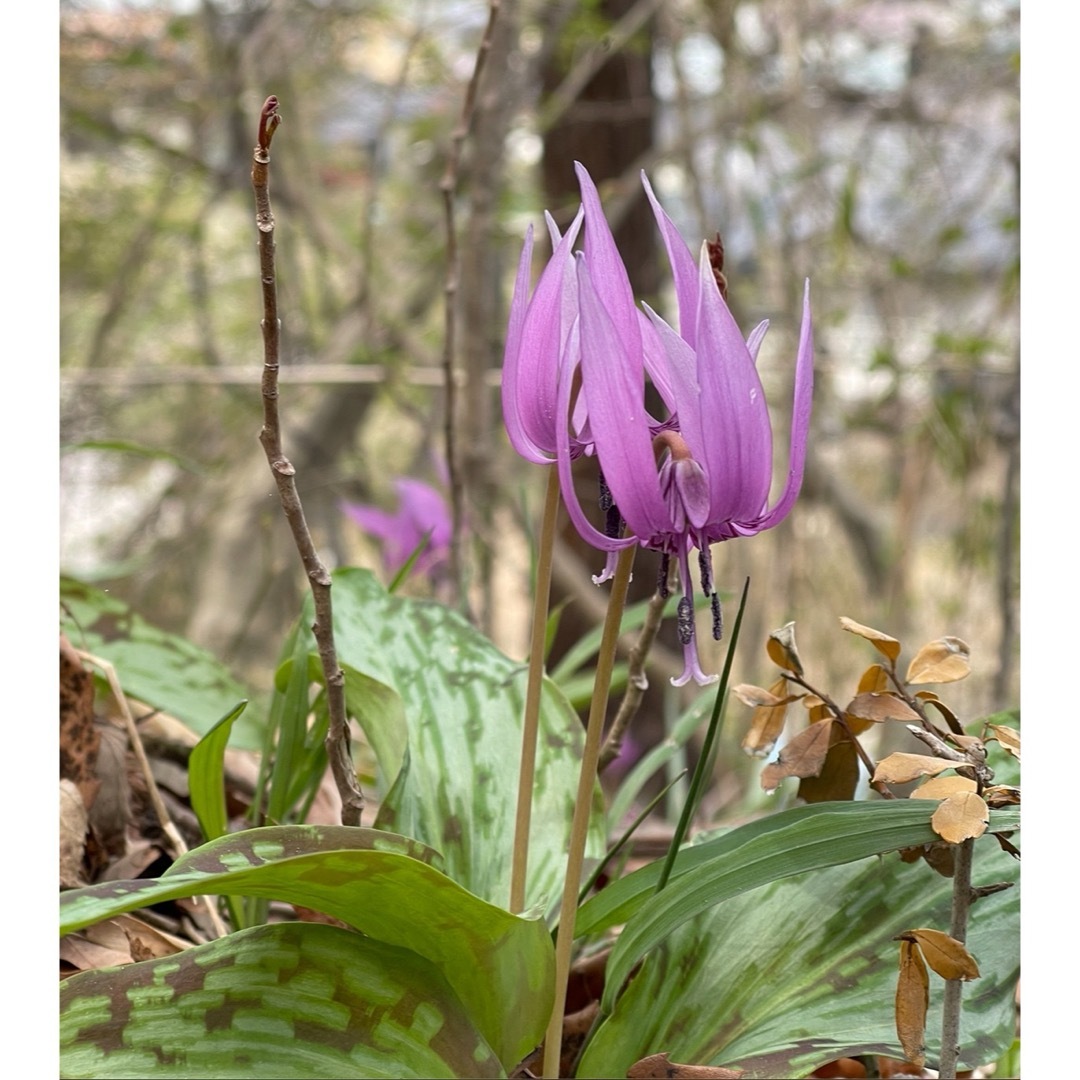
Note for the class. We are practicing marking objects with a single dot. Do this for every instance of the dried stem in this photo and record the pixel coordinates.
(527, 771)
(605, 661)
(637, 680)
(284, 473)
(954, 988)
(448, 187)
(160, 810)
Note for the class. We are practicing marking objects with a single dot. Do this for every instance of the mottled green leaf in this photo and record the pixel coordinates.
(463, 702)
(291, 1000)
(156, 667)
(803, 842)
(783, 978)
(500, 965)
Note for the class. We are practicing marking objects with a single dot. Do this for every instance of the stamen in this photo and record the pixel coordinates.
(606, 500)
(717, 618)
(613, 522)
(662, 575)
(705, 566)
(685, 620)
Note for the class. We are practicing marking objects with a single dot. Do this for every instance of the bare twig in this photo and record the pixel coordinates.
(637, 680)
(160, 810)
(448, 187)
(337, 738)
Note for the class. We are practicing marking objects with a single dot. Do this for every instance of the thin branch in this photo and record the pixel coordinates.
(337, 738)
(448, 187)
(637, 680)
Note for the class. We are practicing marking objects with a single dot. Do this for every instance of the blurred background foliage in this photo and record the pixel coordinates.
(871, 146)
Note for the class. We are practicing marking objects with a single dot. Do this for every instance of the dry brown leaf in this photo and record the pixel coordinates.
(767, 722)
(803, 756)
(1001, 795)
(1008, 737)
(900, 768)
(947, 956)
(941, 787)
(877, 708)
(945, 660)
(782, 651)
(839, 775)
(932, 699)
(757, 698)
(73, 824)
(912, 1000)
(887, 646)
(961, 817)
(874, 680)
(661, 1065)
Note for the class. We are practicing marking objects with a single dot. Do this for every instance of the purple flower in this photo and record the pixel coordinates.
(421, 515)
(699, 477)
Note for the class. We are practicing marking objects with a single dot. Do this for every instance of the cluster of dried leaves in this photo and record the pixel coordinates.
(825, 757)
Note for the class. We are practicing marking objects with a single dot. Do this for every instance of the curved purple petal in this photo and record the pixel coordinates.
(800, 422)
(683, 268)
(736, 447)
(613, 381)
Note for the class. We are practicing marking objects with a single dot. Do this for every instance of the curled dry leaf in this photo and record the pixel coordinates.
(755, 697)
(661, 1065)
(900, 768)
(945, 660)
(912, 1000)
(874, 680)
(941, 787)
(767, 721)
(947, 956)
(950, 717)
(877, 708)
(1001, 795)
(1008, 737)
(802, 756)
(960, 817)
(782, 651)
(887, 646)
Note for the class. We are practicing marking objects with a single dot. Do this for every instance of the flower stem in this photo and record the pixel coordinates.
(527, 771)
(605, 661)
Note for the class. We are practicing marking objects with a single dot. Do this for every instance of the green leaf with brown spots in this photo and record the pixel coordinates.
(501, 966)
(158, 668)
(781, 979)
(455, 787)
(290, 1000)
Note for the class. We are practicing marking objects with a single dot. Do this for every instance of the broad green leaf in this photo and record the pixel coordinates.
(500, 965)
(381, 713)
(156, 667)
(290, 1000)
(463, 701)
(803, 842)
(206, 775)
(783, 978)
